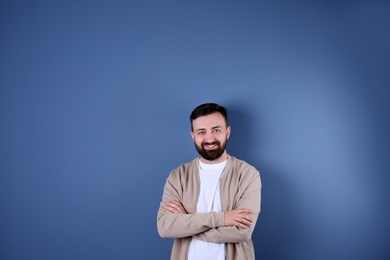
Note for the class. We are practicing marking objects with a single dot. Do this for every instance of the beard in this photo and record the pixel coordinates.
(214, 154)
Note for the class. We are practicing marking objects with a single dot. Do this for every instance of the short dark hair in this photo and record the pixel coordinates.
(208, 109)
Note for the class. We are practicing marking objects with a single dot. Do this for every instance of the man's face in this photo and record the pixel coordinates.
(210, 134)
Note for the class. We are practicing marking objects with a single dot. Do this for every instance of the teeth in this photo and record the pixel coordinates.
(210, 146)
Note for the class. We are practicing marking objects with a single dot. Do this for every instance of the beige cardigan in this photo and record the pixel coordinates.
(240, 188)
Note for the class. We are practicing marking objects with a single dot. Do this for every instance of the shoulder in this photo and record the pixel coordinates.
(184, 169)
(242, 173)
(242, 166)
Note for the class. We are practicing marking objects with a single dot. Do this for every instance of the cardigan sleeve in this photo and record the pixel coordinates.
(175, 225)
(250, 199)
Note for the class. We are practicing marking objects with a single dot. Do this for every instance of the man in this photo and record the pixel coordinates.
(210, 205)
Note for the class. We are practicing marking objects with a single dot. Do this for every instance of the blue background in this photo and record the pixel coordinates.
(94, 104)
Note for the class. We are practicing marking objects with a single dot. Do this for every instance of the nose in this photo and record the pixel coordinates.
(209, 137)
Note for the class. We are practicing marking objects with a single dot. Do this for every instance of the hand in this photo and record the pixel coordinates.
(239, 218)
(174, 207)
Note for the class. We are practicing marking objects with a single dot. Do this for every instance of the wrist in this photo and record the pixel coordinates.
(220, 217)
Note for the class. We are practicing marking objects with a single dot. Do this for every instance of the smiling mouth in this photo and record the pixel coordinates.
(210, 146)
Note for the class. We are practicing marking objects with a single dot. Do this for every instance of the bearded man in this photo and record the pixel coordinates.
(210, 205)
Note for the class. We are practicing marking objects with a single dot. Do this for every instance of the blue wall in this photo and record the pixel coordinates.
(94, 106)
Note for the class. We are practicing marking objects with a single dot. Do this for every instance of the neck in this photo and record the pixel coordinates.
(222, 158)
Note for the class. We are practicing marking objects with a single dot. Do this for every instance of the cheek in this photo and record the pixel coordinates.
(197, 140)
(200, 141)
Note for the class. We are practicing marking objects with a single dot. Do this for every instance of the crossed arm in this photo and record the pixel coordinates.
(238, 217)
(231, 226)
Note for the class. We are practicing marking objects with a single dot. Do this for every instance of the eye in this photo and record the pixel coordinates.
(217, 130)
(201, 133)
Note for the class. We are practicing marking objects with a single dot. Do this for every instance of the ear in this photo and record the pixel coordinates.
(192, 135)
(228, 130)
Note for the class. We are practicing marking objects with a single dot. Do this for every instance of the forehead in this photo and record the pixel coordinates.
(209, 121)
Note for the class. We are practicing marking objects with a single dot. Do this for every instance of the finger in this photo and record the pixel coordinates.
(244, 216)
(168, 207)
(168, 210)
(176, 208)
(245, 211)
(173, 207)
(245, 221)
(241, 225)
(181, 207)
(247, 218)
(247, 224)
(176, 204)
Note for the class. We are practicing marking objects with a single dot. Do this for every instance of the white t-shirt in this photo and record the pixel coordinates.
(209, 200)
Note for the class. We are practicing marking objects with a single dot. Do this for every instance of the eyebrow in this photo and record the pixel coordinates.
(214, 127)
